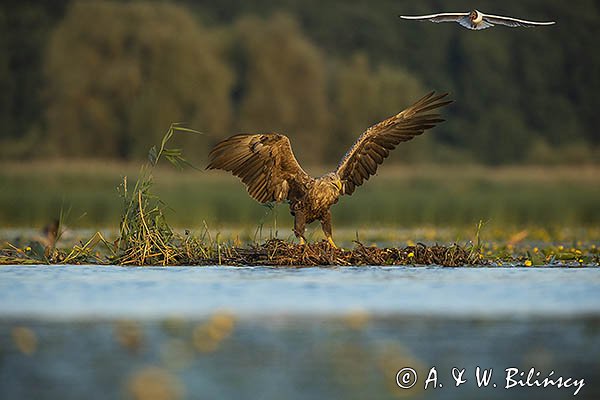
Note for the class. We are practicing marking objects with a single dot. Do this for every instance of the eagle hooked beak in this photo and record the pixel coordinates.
(338, 184)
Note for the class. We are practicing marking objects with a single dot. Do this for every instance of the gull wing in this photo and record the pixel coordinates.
(513, 22)
(442, 17)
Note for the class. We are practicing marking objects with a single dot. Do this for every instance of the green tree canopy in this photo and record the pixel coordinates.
(118, 73)
(364, 95)
(283, 85)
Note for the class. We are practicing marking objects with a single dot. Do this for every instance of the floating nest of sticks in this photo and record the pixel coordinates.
(281, 253)
(273, 252)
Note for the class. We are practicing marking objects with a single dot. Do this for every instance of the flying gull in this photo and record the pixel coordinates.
(476, 20)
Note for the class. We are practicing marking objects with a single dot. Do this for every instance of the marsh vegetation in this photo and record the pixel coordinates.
(418, 196)
(409, 197)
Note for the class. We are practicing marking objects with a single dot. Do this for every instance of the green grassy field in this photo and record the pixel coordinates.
(544, 201)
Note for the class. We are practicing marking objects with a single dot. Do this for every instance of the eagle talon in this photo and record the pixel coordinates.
(331, 242)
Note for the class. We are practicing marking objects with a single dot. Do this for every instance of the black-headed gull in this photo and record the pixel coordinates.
(476, 20)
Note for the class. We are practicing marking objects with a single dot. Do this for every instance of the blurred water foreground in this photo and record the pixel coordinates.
(98, 332)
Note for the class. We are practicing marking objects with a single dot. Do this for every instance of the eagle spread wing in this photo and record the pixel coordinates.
(374, 145)
(264, 162)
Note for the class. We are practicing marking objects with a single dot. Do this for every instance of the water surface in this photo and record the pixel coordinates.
(98, 332)
(155, 292)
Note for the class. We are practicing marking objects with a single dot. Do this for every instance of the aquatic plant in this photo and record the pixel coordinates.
(145, 237)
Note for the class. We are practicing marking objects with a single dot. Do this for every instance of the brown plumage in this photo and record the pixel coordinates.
(268, 167)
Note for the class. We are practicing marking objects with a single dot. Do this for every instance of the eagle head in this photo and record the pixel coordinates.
(334, 180)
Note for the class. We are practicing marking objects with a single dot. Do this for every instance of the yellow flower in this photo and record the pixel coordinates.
(535, 249)
(561, 248)
(27, 248)
(411, 254)
(528, 263)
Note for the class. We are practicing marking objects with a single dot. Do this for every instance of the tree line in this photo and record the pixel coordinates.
(105, 78)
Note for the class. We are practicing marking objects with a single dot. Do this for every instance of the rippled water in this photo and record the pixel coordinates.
(97, 332)
(67, 291)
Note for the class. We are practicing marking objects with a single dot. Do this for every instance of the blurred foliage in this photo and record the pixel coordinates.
(96, 78)
(365, 95)
(24, 29)
(402, 196)
(112, 87)
(282, 85)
